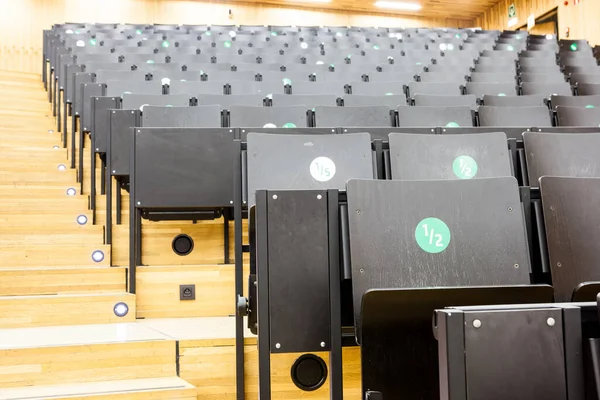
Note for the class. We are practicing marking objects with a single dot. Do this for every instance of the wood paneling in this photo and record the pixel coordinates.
(580, 18)
(212, 371)
(497, 16)
(22, 22)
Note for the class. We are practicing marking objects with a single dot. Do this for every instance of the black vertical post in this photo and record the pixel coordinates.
(226, 220)
(55, 96)
(103, 171)
(239, 272)
(64, 130)
(58, 118)
(262, 278)
(107, 179)
(451, 354)
(133, 216)
(118, 200)
(336, 386)
(73, 144)
(50, 85)
(80, 167)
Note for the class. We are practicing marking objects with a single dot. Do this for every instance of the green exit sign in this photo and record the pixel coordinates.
(512, 11)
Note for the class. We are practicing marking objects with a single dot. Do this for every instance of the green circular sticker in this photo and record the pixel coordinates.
(269, 125)
(452, 125)
(511, 48)
(289, 125)
(209, 33)
(389, 94)
(138, 31)
(502, 94)
(464, 167)
(432, 235)
(589, 106)
(93, 42)
(165, 44)
(150, 62)
(375, 47)
(287, 81)
(273, 33)
(227, 44)
(574, 47)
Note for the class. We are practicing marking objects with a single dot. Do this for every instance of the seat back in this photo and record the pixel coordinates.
(135, 101)
(182, 117)
(268, 117)
(368, 116)
(578, 116)
(421, 157)
(561, 154)
(515, 116)
(309, 162)
(427, 116)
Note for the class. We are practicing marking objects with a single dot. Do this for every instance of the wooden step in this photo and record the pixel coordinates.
(84, 353)
(64, 309)
(52, 281)
(133, 389)
(52, 255)
(32, 218)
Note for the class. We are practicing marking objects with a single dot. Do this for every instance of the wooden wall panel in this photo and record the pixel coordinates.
(582, 19)
(22, 21)
(497, 16)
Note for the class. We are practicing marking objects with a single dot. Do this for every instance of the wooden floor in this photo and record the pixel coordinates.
(59, 335)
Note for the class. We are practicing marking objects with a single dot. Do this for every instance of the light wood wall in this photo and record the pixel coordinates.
(581, 18)
(22, 21)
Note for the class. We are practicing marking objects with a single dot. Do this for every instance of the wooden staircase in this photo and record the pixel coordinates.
(60, 336)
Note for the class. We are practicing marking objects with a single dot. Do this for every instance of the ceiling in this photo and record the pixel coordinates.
(454, 9)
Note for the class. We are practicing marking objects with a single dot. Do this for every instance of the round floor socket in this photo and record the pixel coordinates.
(182, 245)
(309, 372)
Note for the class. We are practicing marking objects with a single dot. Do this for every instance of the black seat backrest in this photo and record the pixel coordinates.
(226, 101)
(546, 89)
(182, 117)
(585, 78)
(443, 88)
(421, 157)
(431, 240)
(377, 88)
(371, 116)
(572, 232)
(468, 100)
(493, 77)
(253, 87)
(135, 101)
(118, 88)
(515, 116)
(196, 88)
(308, 162)
(451, 117)
(391, 101)
(575, 101)
(191, 166)
(561, 154)
(578, 116)
(588, 89)
(481, 89)
(311, 100)
(514, 101)
(104, 76)
(268, 117)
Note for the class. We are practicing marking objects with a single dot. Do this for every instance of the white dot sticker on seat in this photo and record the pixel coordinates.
(322, 169)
